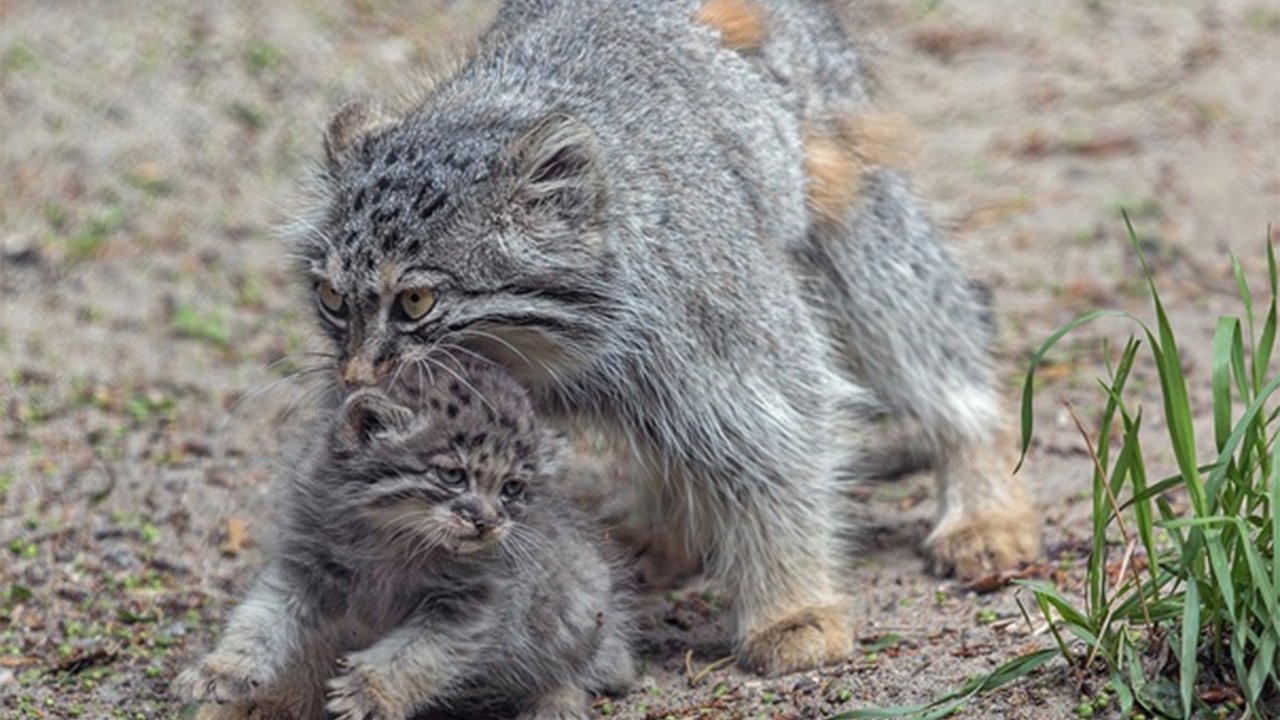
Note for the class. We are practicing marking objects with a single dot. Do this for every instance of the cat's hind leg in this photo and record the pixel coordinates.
(913, 328)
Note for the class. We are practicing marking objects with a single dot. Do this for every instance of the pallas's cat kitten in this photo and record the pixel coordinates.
(424, 563)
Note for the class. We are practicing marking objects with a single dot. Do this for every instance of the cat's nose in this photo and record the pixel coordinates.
(484, 524)
(358, 372)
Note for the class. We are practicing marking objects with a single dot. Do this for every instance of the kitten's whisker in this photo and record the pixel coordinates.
(529, 554)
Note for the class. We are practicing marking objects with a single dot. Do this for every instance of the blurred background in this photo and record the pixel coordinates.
(150, 152)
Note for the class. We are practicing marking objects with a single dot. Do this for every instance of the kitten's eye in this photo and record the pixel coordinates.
(451, 477)
(416, 303)
(333, 303)
(512, 489)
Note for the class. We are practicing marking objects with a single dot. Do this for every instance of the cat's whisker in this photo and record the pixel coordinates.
(454, 347)
(395, 376)
(284, 380)
(564, 389)
(307, 398)
(464, 381)
(233, 412)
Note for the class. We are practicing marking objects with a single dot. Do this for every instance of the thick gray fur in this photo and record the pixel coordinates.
(613, 204)
(406, 594)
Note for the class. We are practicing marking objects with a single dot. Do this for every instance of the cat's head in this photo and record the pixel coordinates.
(458, 226)
(449, 464)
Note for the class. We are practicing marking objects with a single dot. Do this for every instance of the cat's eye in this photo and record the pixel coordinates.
(333, 303)
(451, 477)
(512, 489)
(415, 303)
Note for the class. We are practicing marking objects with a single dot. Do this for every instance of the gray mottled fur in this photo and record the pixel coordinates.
(612, 204)
(404, 594)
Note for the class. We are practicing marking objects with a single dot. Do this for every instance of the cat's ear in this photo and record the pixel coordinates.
(368, 416)
(558, 186)
(553, 452)
(352, 122)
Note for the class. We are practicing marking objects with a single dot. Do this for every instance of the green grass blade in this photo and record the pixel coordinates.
(1246, 297)
(1161, 487)
(1190, 642)
(1274, 510)
(1262, 351)
(1219, 472)
(1173, 386)
(1055, 598)
(949, 703)
(1225, 339)
(1028, 386)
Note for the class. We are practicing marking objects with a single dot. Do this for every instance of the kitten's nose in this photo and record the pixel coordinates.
(483, 521)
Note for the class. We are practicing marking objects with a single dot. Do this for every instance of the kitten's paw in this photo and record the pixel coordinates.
(361, 693)
(803, 640)
(974, 546)
(562, 704)
(222, 677)
(244, 711)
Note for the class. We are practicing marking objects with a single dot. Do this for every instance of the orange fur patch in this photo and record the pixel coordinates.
(835, 160)
(741, 23)
(835, 175)
(879, 139)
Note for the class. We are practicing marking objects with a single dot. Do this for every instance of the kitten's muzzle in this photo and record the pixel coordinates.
(483, 521)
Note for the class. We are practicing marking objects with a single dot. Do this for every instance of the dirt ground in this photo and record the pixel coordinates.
(149, 150)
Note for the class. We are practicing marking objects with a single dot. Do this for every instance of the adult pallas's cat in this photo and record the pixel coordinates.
(669, 220)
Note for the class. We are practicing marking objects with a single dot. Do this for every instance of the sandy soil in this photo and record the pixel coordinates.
(147, 324)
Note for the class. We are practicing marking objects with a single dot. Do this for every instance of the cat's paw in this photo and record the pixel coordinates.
(983, 543)
(360, 692)
(223, 677)
(803, 640)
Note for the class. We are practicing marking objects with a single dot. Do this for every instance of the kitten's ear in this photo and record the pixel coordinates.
(558, 184)
(352, 122)
(368, 415)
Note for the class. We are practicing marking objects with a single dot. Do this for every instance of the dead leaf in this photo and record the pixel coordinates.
(945, 42)
(997, 580)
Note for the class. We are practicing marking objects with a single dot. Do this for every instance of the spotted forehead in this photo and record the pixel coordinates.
(398, 191)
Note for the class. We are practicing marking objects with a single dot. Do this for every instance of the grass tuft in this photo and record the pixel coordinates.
(1190, 623)
(1204, 611)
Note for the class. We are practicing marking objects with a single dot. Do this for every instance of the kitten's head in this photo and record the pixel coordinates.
(459, 226)
(451, 463)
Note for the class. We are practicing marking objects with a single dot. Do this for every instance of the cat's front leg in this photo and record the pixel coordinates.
(262, 639)
(403, 672)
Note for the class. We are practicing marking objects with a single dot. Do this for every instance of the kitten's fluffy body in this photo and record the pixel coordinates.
(405, 591)
(661, 216)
